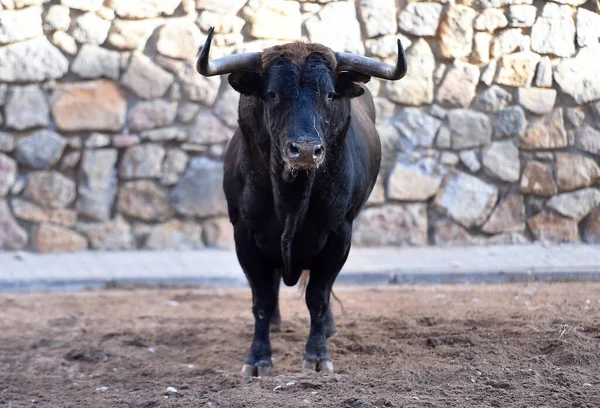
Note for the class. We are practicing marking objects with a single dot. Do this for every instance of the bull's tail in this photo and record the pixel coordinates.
(303, 282)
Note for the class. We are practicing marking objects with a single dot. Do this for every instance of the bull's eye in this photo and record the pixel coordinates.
(271, 95)
(331, 95)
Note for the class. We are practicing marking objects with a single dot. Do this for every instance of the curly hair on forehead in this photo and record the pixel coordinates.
(296, 53)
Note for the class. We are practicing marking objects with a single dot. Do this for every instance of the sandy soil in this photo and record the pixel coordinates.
(534, 345)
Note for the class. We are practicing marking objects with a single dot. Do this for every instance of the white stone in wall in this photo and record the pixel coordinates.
(57, 18)
(132, 34)
(146, 79)
(378, 16)
(459, 85)
(83, 5)
(230, 7)
(386, 46)
(421, 19)
(481, 48)
(490, 20)
(93, 61)
(275, 19)
(578, 77)
(509, 41)
(456, 32)
(554, 31)
(138, 9)
(501, 160)
(65, 42)
(179, 39)
(543, 75)
(31, 60)
(521, 15)
(517, 69)
(18, 25)
(337, 27)
(588, 27)
(26, 108)
(91, 28)
(537, 100)
(223, 23)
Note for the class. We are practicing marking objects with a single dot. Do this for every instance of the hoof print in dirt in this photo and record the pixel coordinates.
(317, 364)
(260, 369)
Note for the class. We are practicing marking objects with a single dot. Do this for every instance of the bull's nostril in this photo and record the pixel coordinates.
(294, 150)
(318, 152)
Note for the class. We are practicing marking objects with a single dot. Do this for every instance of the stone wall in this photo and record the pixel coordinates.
(110, 140)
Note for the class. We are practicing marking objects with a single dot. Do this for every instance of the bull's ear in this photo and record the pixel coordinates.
(246, 82)
(346, 84)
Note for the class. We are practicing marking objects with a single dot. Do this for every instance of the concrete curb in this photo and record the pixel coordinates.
(365, 266)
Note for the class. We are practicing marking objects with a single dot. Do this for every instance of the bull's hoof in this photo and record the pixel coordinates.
(318, 364)
(259, 369)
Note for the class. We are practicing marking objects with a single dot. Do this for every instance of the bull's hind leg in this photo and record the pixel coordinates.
(322, 276)
(265, 287)
(275, 324)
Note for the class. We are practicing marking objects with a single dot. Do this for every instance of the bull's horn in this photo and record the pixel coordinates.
(245, 61)
(371, 67)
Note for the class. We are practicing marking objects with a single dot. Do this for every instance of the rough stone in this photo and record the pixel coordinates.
(179, 39)
(537, 179)
(125, 141)
(403, 225)
(508, 41)
(48, 238)
(522, 15)
(12, 236)
(481, 48)
(517, 69)
(83, 5)
(276, 20)
(416, 88)
(470, 160)
(19, 25)
(175, 235)
(509, 216)
(31, 212)
(226, 7)
(588, 139)
(166, 134)
(578, 77)
(8, 174)
(152, 114)
(591, 227)
(65, 42)
(187, 111)
(449, 158)
(490, 20)
(175, 163)
(493, 99)
(218, 233)
(378, 17)
(132, 34)
(575, 116)
(114, 235)
(32, 60)
(223, 23)
(142, 161)
(93, 61)
(420, 19)
(139, 9)
(546, 133)
(501, 160)
(448, 234)
(226, 107)
(146, 79)
(418, 127)
(386, 46)
(547, 227)
(543, 75)
(7, 142)
(200, 191)
(26, 108)
(97, 140)
(576, 204)
(588, 27)
(90, 28)
(50, 189)
(488, 72)
(510, 122)
(537, 100)
(336, 26)
(456, 32)
(57, 18)
(98, 184)
(554, 31)
(409, 182)
(92, 105)
(144, 200)
(459, 85)
(469, 129)
(574, 171)
(40, 150)
(466, 199)
(207, 129)
(197, 88)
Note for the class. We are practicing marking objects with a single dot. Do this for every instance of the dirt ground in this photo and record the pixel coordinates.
(513, 345)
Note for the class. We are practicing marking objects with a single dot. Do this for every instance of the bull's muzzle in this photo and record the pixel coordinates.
(304, 154)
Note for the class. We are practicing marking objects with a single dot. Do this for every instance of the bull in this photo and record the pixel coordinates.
(297, 172)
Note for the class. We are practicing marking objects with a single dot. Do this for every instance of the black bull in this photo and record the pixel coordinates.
(297, 172)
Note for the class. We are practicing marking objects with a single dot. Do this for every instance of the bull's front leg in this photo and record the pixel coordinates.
(264, 282)
(322, 276)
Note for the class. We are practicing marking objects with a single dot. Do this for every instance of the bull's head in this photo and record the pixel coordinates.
(303, 90)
